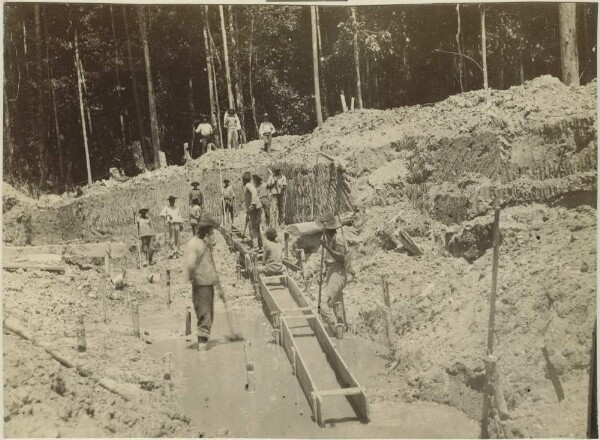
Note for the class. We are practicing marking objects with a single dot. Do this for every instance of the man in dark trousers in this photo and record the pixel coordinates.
(195, 193)
(201, 271)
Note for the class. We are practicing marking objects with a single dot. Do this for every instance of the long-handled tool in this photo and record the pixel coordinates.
(137, 226)
(222, 196)
(321, 270)
(233, 336)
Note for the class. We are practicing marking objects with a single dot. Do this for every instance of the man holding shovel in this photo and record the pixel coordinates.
(335, 276)
(201, 271)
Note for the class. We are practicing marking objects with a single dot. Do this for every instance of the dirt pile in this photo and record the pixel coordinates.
(16, 215)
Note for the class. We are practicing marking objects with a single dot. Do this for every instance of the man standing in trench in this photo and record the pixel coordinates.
(335, 276)
(201, 271)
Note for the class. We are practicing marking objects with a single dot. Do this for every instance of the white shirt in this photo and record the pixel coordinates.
(204, 129)
(276, 184)
(232, 121)
(266, 127)
(251, 196)
(173, 213)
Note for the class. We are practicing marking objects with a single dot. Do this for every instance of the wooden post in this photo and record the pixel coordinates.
(490, 342)
(592, 429)
(80, 332)
(286, 244)
(250, 385)
(352, 104)
(188, 321)
(107, 263)
(168, 287)
(82, 112)
(135, 317)
(387, 313)
(105, 301)
(315, 52)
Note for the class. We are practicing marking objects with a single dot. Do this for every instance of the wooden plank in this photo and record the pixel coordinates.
(341, 392)
(343, 374)
(25, 266)
(299, 309)
(291, 265)
(296, 292)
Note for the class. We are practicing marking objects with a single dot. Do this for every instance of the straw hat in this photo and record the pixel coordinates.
(328, 221)
(141, 211)
(195, 184)
(207, 220)
(172, 198)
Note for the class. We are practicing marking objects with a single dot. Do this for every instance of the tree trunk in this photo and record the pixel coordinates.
(239, 95)
(82, 112)
(483, 47)
(569, 59)
(211, 88)
(53, 97)
(40, 123)
(219, 121)
(136, 93)
(25, 53)
(151, 101)
(250, 51)
(226, 55)
(119, 97)
(313, 20)
(356, 58)
(461, 65)
(86, 97)
(325, 103)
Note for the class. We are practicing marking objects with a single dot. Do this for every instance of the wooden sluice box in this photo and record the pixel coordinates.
(332, 391)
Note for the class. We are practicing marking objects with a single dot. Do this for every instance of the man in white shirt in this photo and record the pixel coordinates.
(266, 132)
(277, 184)
(253, 208)
(174, 222)
(232, 123)
(205, 131)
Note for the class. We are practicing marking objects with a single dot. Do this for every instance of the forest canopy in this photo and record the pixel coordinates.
(138, 76)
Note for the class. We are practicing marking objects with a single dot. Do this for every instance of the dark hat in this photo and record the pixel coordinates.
(141, 211)
(257, 177)
(277, 170)
(271, 234)
(247, 176)
(195, 184)
(225, 180)
(207, 220)
(328, 221)
(172, 198)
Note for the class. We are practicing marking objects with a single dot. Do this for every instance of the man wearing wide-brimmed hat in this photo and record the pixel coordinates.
(201, 271)
(146, 234)
(277, 183)
(335, 263)
(174, 222)
(195, 193)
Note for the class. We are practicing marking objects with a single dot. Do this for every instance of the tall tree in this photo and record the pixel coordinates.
(356, 58)
(119, 97)
(135, 90)
(239, 95)
(82, 110)
(250, 85)
(226, 55)
(461, 65)
(569, 59)
(315, 56)
(209, 74)
(39, 124)
(54, 109)
(483, 47)
(151, 100)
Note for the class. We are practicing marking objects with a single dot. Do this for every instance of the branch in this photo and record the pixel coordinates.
(460, 55)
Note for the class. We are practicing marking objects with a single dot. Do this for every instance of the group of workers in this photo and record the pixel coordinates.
(233, 127)
(198, 258)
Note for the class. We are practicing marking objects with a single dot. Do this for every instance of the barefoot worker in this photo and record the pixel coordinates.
(202, 273)
(335, 262)
(146, 234)
(174, 222)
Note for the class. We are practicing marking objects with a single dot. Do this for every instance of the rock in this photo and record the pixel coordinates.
(584, 267)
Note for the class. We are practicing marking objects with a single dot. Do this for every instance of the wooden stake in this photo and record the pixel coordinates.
(80, 332)
(168, 287)
(105, 301)
(250, 385)
(188, 321)
(343, 99)
(107, 262)
(352, 103)
(135, 317)
(387, 313)
(286, 244)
